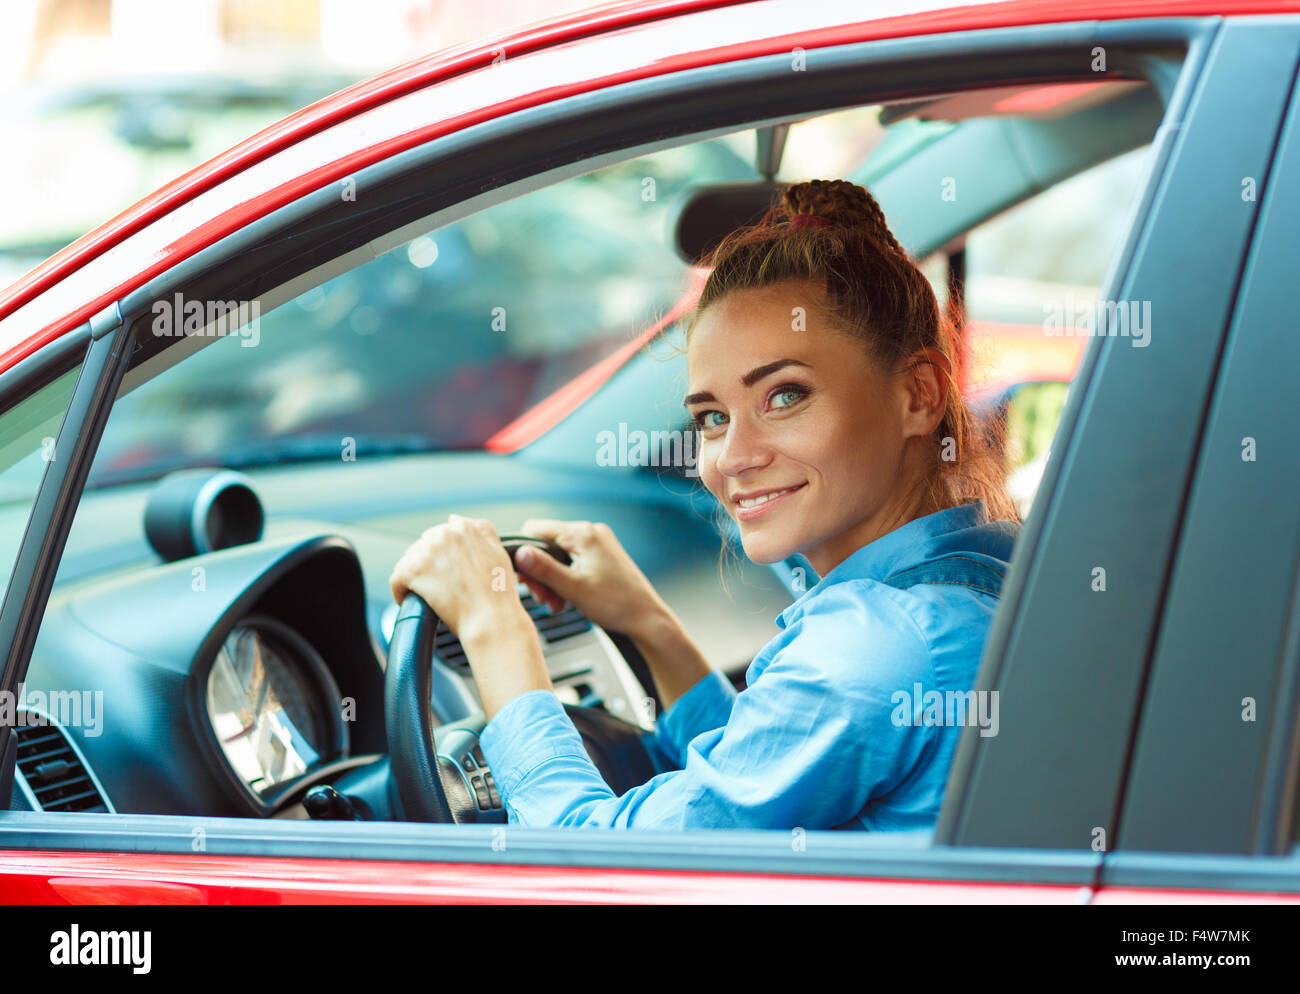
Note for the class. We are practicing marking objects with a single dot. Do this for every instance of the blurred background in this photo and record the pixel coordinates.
(147, 89)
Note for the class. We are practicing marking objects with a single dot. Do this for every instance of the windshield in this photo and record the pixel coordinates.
(436, 345)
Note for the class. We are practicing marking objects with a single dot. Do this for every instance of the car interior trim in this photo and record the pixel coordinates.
(21, 783)
(55, 505)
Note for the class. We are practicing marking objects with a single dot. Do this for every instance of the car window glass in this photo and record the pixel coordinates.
(27, 444)
(436, 345)
(1034, 276)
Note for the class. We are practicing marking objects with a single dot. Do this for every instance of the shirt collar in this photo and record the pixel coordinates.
(913, 543)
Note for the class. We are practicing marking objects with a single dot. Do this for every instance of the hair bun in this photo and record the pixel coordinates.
(845, 204)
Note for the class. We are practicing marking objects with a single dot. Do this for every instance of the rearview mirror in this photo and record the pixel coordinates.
(711, 213)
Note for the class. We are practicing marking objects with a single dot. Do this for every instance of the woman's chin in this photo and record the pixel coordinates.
(766, 550)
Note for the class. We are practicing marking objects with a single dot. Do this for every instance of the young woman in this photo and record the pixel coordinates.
(822, 385)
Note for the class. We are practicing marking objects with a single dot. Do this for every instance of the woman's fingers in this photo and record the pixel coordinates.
(550, 580)
(541, 566)
(451, 566)
(409, 566)
(547, 528)
(544, 595)
(569, 534)
(397, 584)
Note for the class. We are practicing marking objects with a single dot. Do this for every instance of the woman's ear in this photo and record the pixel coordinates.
(926, 381)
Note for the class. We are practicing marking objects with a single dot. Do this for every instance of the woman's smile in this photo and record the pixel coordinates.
(753, 504)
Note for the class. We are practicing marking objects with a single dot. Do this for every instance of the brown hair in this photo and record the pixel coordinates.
(883, 300)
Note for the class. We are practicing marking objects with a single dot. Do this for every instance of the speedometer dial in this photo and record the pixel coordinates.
(266, 710)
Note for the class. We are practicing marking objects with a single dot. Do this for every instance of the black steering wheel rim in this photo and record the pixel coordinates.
(409, 723)
(408, 714)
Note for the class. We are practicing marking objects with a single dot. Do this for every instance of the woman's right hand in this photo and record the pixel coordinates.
(609, 588)
(602, 581)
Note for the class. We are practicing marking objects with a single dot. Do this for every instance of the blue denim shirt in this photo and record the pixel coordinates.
(838, 726)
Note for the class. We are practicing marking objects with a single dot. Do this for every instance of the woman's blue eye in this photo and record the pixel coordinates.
(794, 393)
(702, 420)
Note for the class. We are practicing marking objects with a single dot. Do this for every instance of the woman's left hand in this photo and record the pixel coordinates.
(463, 573)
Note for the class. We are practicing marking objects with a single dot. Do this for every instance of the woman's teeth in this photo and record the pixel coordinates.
(755, 501)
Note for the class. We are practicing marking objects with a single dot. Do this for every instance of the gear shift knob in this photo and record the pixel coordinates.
(325, 803)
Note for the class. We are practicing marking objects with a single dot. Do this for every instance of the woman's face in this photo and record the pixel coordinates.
(802, 438)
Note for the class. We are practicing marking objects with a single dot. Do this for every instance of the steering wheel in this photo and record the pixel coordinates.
(430, 786)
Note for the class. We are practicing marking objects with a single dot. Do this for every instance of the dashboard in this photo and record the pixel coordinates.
(236, 678)
(271, 660)
(231, 681)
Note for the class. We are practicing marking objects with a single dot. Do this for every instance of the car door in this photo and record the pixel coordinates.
(1071, 648)
(1209, 809)
(1024, 807)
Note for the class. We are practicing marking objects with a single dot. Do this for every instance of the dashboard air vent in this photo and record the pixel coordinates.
(54, 771)
(552, 628)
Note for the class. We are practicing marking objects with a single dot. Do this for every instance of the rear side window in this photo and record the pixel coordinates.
(1034, 279)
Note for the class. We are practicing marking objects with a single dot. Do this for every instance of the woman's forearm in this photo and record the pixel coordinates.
(675, 661)
(505, 655)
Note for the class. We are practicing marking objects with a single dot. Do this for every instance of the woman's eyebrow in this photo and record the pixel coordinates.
(758, 372)
(749, 379)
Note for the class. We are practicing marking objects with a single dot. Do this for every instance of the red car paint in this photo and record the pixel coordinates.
(121, 878)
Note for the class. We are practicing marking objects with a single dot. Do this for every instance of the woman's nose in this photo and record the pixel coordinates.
(743, 448)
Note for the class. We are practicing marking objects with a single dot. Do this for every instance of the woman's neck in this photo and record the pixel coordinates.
(918, 501)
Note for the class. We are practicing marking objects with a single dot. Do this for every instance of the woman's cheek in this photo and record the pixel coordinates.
(807, 442)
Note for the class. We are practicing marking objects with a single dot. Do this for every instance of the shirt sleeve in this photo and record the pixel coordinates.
(806, 744)
(704, 707)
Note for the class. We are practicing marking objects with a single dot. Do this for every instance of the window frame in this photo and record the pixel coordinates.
(50, 520)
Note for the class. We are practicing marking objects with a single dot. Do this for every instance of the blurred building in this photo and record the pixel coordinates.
(104, 101)
(59, 39)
